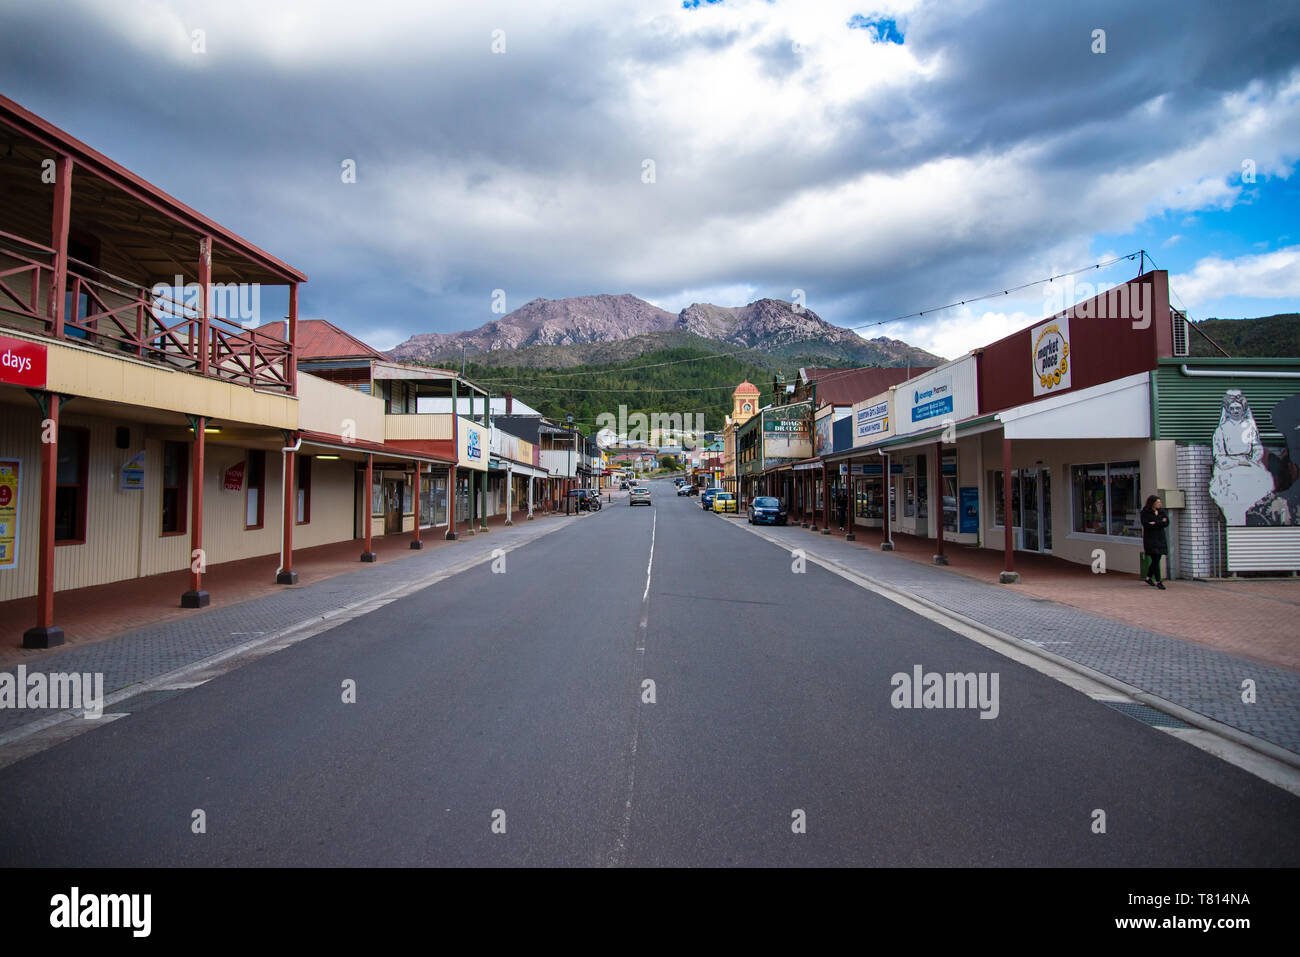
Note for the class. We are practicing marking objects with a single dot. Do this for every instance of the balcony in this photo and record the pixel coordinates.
(95, 257)
(113, 314)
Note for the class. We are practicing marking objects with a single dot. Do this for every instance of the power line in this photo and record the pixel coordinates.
(866, 325)
(1005, 292)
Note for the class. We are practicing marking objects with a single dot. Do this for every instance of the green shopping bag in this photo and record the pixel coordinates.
(1144, 563)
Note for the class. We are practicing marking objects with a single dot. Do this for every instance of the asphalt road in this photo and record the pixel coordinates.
(516, 698)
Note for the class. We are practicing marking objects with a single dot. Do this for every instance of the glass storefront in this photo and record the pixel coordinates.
(1107, 499)
(433, 500)
(869, 499)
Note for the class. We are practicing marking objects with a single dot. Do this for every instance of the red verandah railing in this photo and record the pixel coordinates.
(118, 315)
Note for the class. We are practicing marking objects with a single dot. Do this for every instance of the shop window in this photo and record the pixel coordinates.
(1107, 499)
(949, 486)
(304, 491)
(175, 476)
(254, 501)
(869, 500)
(999, 503)
(71, 483)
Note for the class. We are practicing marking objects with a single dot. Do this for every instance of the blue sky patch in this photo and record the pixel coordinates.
(881, 29)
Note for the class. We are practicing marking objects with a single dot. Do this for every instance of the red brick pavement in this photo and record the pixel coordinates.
(104, 611)
(1251, 618)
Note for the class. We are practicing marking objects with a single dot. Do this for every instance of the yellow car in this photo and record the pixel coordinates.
(724, 502)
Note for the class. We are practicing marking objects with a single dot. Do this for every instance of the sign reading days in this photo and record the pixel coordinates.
(1051, 356)
(22, 362)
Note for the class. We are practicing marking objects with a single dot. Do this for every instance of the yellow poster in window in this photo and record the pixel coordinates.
(10, 483)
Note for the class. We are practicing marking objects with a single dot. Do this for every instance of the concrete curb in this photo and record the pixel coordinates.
(1195, 718)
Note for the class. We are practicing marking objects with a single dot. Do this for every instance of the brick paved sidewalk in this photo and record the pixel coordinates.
(1248, 618)
(1187, 672)
(144, 653)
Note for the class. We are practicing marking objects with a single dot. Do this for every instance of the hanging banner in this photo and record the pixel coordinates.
(131, 477)
(10, 487)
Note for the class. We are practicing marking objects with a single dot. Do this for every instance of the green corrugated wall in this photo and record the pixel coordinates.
(1187, 408)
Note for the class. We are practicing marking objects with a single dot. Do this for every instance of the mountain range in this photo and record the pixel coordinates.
(554, 333)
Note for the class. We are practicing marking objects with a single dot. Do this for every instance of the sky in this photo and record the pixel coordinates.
(875, 160)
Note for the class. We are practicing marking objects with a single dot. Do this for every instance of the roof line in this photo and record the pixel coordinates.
(46, 133)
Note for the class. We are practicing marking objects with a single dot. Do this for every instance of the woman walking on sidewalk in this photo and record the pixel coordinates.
(1154, 522)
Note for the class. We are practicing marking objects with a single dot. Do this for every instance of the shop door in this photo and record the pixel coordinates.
(1045, 514)
(1029, 514)
(392, 507)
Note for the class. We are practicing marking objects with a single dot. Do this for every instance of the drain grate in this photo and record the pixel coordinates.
(145, 699)
(1146, 714)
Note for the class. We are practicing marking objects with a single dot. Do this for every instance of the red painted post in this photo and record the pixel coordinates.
(287, 576)
(826, 499)
(59, 241)
(1008, 576)
(196, 597)
(415, 540)
(368, 507)
(291, 364)
(205, 302)
(850, 504)
(45, 634)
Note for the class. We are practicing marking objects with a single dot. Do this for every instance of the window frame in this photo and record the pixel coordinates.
(257, 473)
(1107, 536)
(302, 485)
(182, 489)
(81, 436)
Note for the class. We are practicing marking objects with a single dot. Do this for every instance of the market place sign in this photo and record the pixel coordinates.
(1051, 356)
(22, 362)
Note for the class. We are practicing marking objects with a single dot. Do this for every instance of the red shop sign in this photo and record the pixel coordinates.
(22, 362)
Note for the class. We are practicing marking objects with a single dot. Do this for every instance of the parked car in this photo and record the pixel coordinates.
(640, 495)
(585, 499)
(724, 502)
(706, 498)
(683, 489)
(766, 509)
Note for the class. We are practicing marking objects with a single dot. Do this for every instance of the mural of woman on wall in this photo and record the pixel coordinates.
(1240, 476)
(1282, 507)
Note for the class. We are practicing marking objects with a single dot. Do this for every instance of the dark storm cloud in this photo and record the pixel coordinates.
(536, 155)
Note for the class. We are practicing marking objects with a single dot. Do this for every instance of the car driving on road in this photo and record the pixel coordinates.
(640, 495)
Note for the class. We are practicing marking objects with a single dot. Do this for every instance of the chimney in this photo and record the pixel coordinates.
(510, 401)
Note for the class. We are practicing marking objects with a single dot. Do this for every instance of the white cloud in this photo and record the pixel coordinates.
(1274, 275)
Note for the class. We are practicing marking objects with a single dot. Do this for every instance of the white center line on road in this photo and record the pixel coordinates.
(650, 564)
(645, 595)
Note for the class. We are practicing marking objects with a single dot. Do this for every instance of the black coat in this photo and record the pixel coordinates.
(1154, 524)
